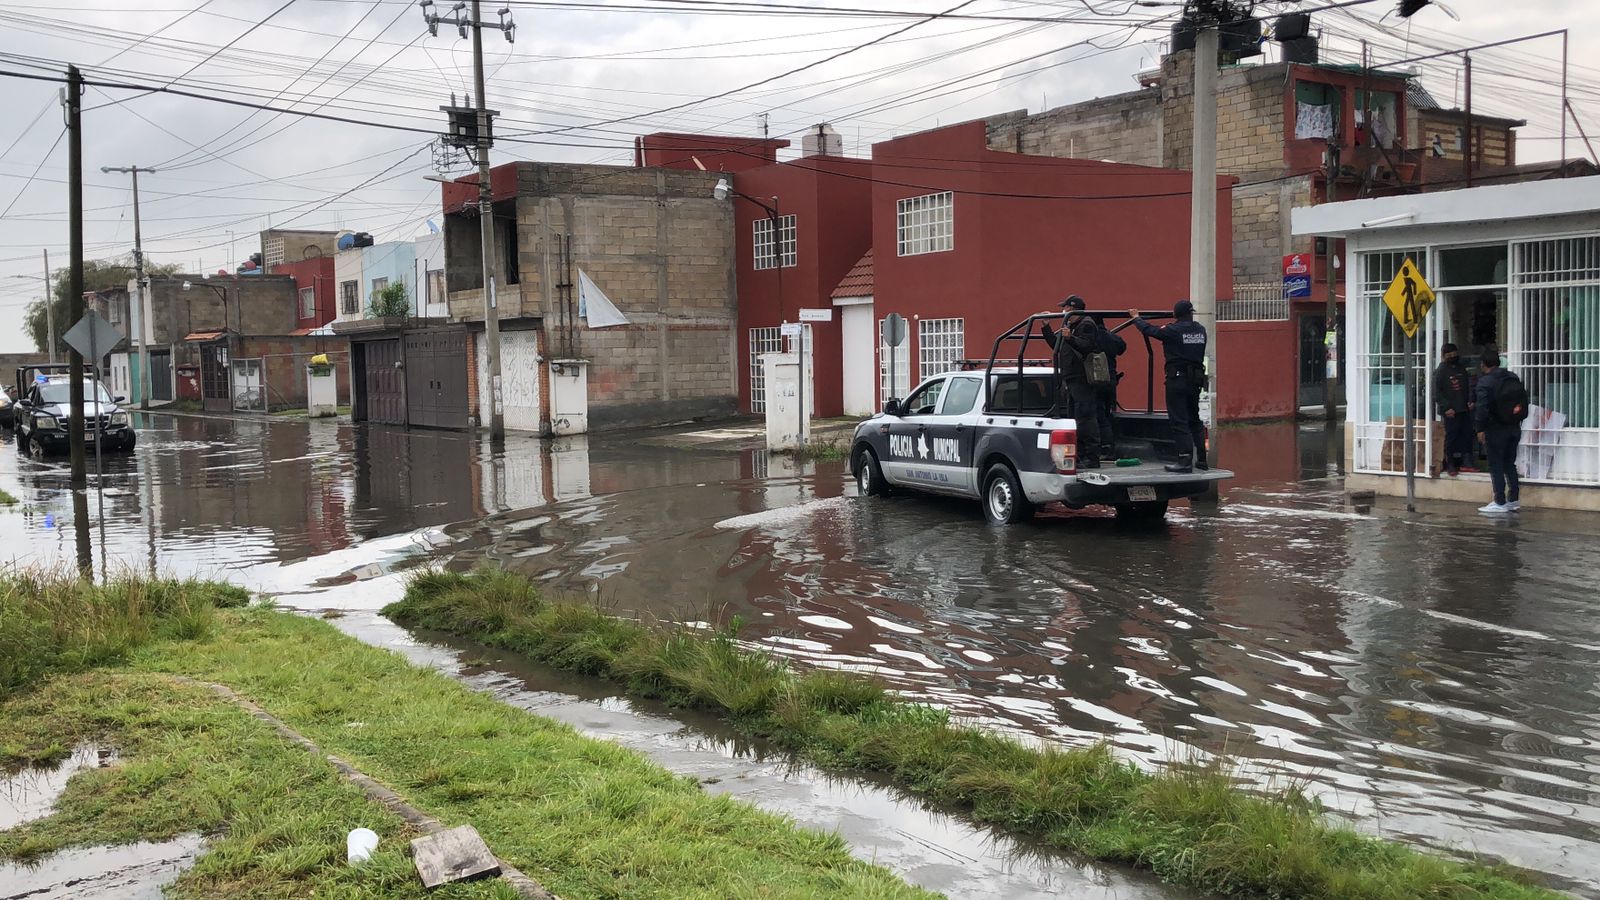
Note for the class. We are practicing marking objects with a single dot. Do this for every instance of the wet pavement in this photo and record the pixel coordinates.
(1432, 674)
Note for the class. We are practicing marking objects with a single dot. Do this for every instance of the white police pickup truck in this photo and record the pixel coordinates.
(995, 434)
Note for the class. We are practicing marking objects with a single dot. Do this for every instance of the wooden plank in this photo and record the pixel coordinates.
(455, 854)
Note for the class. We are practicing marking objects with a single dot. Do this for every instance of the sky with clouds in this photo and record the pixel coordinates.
(581, 79)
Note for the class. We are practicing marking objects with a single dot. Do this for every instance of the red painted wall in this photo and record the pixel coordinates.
(314, 273)
(1030, 230)
(830, 198)
(718, 153)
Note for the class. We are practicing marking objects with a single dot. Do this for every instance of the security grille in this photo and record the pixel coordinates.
(1378, 363)
(897, 385)
(274, 252)
(766, 251)
(925, 224)
(1256, 302)
(762, 340)
(249, 387)
(1555, 349)
(941, 343)
(349, 298)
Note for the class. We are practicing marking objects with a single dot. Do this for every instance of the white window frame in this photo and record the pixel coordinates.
(378, 284)
(763, 340)
(272, 254)
(941, 344)
(349, 297)
(925, 224)
(764, 253)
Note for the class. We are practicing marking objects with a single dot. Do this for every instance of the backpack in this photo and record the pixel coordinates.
(1097, 369)
(1510, 399)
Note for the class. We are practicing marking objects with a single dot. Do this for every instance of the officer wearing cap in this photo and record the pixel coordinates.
(1079, 337)
(1184, 344)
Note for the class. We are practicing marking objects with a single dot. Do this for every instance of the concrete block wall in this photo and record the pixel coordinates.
(256, 304)
(1126, 128)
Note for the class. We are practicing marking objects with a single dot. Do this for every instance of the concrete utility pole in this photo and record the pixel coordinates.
(1203, 201)
(136, 306)
(75, 284)
(491, 309)
(49, 308)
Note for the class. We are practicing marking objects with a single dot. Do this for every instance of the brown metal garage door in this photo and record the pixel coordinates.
(384, 381)
(436, 378)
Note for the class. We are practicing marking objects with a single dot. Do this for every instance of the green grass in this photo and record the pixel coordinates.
(301, 412)
(51, 622)
(832, 450)
(585, 817)
(1189, 824)
(6, 499)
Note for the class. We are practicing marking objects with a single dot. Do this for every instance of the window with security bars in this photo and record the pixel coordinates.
(349, 298)
(272, 254)
(762, 341)
(895, 385)
(941, 344)
(1555, 350)
(1378, 367)
(767, 248)
(925, 224)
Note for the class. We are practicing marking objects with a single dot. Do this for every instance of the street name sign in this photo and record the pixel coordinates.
(824, 314)
(1409, 298)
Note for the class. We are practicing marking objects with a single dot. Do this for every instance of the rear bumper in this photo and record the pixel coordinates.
(1110, 486)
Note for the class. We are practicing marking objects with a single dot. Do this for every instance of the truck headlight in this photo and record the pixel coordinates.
(46, 423)
(119, 419)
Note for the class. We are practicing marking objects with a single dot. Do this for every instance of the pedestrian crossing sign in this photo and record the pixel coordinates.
(1409, 298)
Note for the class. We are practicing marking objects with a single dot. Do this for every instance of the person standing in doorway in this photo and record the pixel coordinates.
(1452, 395)
(1184, 344)
(1500, 407)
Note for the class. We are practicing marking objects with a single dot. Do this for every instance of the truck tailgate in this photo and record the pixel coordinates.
(1148, 473)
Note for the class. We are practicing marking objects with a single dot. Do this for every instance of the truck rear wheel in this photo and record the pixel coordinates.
(1003, 500)
(869, 475)
(1151, 511)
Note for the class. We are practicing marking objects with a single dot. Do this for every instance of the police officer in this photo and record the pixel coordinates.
(1113, 346)
(1079, 337)
(1184, 344)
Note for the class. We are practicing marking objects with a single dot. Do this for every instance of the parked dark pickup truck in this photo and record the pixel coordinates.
(996, 434)
(42, 413)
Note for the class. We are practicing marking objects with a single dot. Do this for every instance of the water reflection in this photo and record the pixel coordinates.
(1433, 674)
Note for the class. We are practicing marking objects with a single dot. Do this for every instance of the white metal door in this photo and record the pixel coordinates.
(519, 380)
(858, 332)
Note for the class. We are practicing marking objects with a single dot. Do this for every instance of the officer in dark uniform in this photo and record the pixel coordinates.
(1184, 344)
(1079, 336)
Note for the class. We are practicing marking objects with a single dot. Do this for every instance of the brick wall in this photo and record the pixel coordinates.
(298, 245)
(284, 361)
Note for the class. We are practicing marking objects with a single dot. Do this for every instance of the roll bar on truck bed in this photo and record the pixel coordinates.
(1024, 331)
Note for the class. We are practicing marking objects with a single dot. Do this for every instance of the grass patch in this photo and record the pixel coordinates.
(53, 622)
(586, 817)
(832, 450)
(6, 499)
(1191, 825)
(302, 413)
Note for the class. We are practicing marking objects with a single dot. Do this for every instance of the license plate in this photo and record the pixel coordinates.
(88, 436)
(1141, 494)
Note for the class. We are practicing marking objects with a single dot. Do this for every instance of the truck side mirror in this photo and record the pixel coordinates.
(891, 407)
(119, 399)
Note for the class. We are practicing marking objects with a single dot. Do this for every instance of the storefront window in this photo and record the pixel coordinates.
(1557, 354)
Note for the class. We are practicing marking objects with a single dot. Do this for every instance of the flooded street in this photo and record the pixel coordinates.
(1433, 673)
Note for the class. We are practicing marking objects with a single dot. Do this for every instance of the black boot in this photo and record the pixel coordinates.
(1180, 467)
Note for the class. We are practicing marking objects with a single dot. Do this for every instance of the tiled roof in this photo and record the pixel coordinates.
(858, 282)
(202, 336)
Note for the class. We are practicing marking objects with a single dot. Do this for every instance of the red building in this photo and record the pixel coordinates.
(964, 241)
(315, 303)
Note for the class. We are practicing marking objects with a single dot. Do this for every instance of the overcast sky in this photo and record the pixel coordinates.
(572, 67)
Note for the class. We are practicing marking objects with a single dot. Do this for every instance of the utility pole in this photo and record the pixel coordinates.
(1203, 200)
(75, 278)
(49, 307)
(484, 116)
(137, 307)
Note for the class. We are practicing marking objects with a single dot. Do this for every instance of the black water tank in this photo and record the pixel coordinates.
(1183, 32)
(1240, 38)
(363, 239)
(1291, 26)
(1300, 50)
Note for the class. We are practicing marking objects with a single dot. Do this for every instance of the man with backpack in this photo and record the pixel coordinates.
(1084, 371)
(1502, 404)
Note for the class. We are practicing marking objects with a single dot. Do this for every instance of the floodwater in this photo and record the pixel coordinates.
(1431, 674)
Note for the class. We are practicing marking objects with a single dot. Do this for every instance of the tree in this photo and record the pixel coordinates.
(392, 300)
(98, 275)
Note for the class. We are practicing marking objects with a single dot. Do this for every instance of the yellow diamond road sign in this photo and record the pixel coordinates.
(1409, 298)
